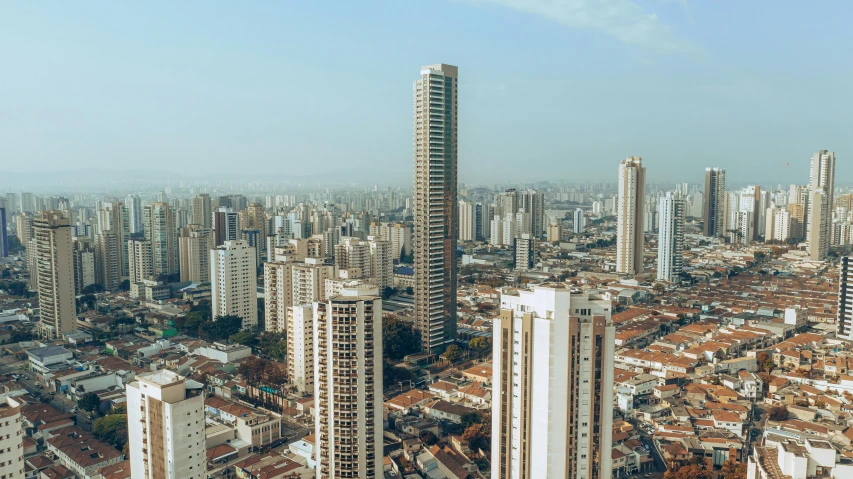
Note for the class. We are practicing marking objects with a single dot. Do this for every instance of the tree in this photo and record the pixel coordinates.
(481, 345)
(765, 362)
(759, 256)
(392, 375)
(689, 471)
(398, 339)
(410, 290)
(452, 353)
(89, 402)
(779, 413)
(479, 436)
(112, 429)
(272, 345)
(124, 285)
(245, 338)
(252, 368)
(733, 470)
(428, 438)
(92, 289)
(222, 327)
(470, 418)
(387, 292)
(19, 335)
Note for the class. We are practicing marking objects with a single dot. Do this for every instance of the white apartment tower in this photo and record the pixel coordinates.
(141, 261)
(579, 221)
(436, 213)
(467, 221)
(134, 212)
(844, 324)
(12, 432)
(300, 347)
(671, 214)
(165, 423)
(819, 221)
(348, 385)
(234, 282)
(552, 385)
(292, 279)
(54, 260)
(629, 213)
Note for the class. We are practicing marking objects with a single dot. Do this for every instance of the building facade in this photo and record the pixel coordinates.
(714, 211)
(844, 324)
(234, 282)
(671, 213)
(54, 259)
(552, 385)
(629, 216)
(819, 210)
(436, 212)
(194, 245)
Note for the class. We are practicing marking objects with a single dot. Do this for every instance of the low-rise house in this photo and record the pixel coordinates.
(447, 411)
(81, 452)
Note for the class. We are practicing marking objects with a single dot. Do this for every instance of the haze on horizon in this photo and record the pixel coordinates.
(559, 89)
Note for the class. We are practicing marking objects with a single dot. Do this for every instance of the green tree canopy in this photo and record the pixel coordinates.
(89, 402)
(112, 429)
(398, 339)
(452, 353)
(245, 338)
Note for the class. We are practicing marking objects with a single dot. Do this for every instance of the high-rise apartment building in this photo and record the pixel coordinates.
(348, 385)
(85, 273)
(194, 245)
(165, 423)
(234, 282)
(111, 246)
(141, 260)
(532, 202)
(4, 241)
(552, 385)
(293, 278)
(300, 347)
(467, 221)
(54, 267)
(671, 213)
(777, 224)
(134, 213)
(525, 251)
(579, 221)
(555, 232)
(254, 218)
(844, 323)
(436, 212)
(12, 432)
(714, 212)
(819, 209)
(160, 231)
(226, 225)
(202, 211)
(629, 216)
(28, 204)
(24, 227)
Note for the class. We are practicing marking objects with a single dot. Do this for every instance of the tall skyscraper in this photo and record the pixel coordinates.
(436, 212)
(4, 240)
(165, 423)
(111, 246)
(84, 264)
(819, 209)
(234, 282)
(202, 211)
(844, 323)
(54, 269)
(194, 245)
(525, 251)
(348, 385)
(300, 347)
(160, 230)
(533, 203)
(714, 212)
(134, 211)
(629, 216)
(672, 212)
(467, 221)
(579, 221)
(552, 385)
(24, 227)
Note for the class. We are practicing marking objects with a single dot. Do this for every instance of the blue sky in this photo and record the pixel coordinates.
(548, 88)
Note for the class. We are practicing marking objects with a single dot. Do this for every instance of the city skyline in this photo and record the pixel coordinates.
(706, 99)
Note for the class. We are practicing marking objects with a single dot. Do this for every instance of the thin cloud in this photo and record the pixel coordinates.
(621, 19)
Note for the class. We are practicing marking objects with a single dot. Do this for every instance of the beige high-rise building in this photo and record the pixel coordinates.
(300, 347)
(399, 234)
(372, 259)
(292, 279)
(194, 245)
(348, 385)
(159, 220)
(202, 211)
(165, 423)
(629, 216)
(555, 232)
(819, 210)
(234, 282)
(24, 225)
(111, 247)
(254, 217)
(552, 385)
(55, 270)
(436, 212)
(85, 273)
(141, 260)
(798, 216)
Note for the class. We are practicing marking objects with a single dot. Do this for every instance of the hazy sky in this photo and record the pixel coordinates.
(549, 89)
